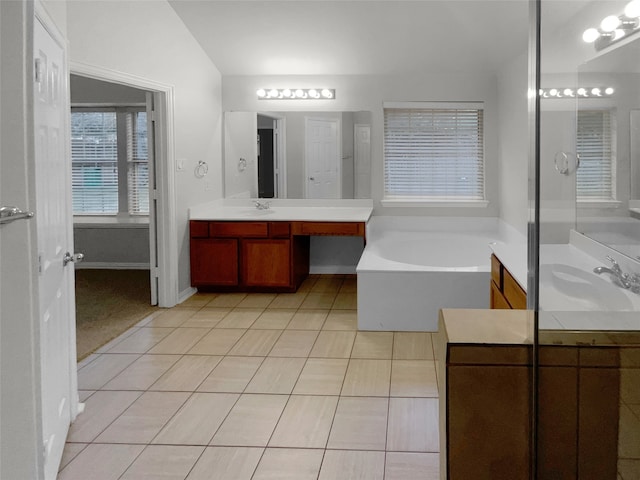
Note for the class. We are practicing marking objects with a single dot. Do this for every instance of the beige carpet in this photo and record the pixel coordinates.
(108, 302)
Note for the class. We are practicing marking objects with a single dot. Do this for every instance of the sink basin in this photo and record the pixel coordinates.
(254, 212)
(564, 287)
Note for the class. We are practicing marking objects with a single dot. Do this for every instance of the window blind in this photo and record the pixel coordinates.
(137, 164)
(596, 174)
(94, 164)
(434, 154)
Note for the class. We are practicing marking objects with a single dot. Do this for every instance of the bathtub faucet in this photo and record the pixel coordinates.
(262, 205)
(624, 280)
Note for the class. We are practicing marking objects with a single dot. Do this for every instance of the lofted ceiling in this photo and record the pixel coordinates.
(376, 37)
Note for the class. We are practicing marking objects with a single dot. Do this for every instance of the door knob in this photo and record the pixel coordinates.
(311, 178)
(76, 258)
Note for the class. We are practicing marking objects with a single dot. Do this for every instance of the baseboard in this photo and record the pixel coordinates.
(111, 266)
(332, 269)
(185, 294)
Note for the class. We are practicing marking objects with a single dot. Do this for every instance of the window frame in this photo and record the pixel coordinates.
(434, 200)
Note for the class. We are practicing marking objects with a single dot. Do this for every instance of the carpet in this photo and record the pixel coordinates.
(108, 302)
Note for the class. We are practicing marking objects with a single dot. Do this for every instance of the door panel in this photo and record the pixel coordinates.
(322, 158)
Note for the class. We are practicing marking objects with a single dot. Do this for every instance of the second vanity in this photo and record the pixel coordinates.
(263, 245)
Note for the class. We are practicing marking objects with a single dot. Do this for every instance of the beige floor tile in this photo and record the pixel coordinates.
(308, 320)
(288, 300)
(83, 395)
(149, 317)
(199, 300)
(294, 343)
(327, 284)
(240, 318)
(412, 346)
(256, 343)
(276, 375)
(144, 418)
(289, 464)
(367, 378)
(179, 341)
(308, 283)
(330, 344)
(173, 317)
(341, 320)
(186, 374)
(360, 424)
(103, 369)
(277, 319)
(120, 338)
(251, 421)
(100, 410)
(373, 345)
(227, 300)
(206, 318)
(346, 301)
(628, 469)
(198, 419)
(87, 360)
(305, 422)
(318, 300)
(101, 462)
(142, 373)
(349, 285)
(628, 434)
(163, 462)
(226, 463)
(352, 465)
(413, 425)
(413, 378)
(630, 385)
(71, 451)
(411, 466)
(217, 342)
(231, 375)
(321, 376)
(141, 340)
(257, 300)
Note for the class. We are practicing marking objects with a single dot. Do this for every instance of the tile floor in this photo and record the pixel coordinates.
(258, 386)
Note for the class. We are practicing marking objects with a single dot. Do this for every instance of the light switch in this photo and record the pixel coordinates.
(180, 164)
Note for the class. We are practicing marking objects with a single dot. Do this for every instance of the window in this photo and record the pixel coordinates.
(434, 152)
(595, 178)
(109, 159)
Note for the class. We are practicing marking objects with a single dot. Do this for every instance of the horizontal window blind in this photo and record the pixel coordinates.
(434, 154)
(137, 164)
(596, 174)
(94, 164)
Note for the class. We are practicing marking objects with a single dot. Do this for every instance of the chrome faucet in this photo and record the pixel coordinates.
(624, 280)
(262, 205)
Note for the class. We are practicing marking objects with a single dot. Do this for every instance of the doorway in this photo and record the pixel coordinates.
(323, 154)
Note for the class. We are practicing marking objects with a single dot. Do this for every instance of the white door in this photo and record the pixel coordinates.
(362, 154)
(322, 158)
(55, 240)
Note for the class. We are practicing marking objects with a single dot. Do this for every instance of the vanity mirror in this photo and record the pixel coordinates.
(297, 154)
(607, 140)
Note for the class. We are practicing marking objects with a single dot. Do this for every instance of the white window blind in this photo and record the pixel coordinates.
(595, 178)
(434, 154)
(137, 163)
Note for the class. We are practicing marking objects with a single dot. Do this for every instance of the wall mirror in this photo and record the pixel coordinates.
(301, 154)
(608, 141)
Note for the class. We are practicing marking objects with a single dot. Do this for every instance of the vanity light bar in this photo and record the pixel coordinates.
(614, 27)
(582, 92)
(296, 94)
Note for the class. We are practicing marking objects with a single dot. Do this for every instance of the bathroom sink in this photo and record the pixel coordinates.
(565, 287)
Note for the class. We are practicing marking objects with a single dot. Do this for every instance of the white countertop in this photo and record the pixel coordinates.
(300, 210)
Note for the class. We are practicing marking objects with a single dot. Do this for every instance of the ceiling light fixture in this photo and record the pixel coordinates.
(296, 94)
(615, 27)
(582, 92)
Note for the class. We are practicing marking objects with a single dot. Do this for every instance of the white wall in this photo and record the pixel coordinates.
(147, 39)
(240, 178)
(355, 93)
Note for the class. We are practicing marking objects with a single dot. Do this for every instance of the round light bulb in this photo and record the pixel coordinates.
(299, 93)
(596, 91)
(568, 92)
(632, 10)
(313, 93)
(273, 93)
(590, 35)
(553, 92)
(610, 23)
(286, 93)
(261, 93)
(582, 92)
(609, 91)
(326, 93)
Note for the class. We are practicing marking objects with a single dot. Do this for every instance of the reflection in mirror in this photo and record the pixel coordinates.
(607, 127)
(298, 154)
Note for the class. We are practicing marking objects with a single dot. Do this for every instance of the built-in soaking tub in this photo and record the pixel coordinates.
(413, 266)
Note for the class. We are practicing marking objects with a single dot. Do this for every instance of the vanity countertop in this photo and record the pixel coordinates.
(298, 210)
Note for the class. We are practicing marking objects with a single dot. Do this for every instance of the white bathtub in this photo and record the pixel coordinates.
(414, 266)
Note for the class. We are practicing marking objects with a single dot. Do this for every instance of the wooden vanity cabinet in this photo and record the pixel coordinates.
(505, 293)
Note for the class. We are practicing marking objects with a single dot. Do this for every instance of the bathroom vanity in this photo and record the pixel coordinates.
(505, 292)
(238, 247)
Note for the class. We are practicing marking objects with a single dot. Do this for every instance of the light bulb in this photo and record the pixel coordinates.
(568, 92)
(300, 93)
(609, 91)
(590, 35)
(326, 93)
(261, 93)
(610, 23)
(273, 93)
(582, 92)
(553, 92)
(632, 10)
(313, 93)
(286, 93)
(596, 91)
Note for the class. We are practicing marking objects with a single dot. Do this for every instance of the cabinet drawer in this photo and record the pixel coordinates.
(279, 229)
(238, 229)
(199, 229)
(514, 294)
(330, 228)
(497, 300)
(496, 271)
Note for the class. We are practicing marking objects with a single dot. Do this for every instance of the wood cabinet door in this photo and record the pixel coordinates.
(214, 261)
(497, 300)
(266, 263)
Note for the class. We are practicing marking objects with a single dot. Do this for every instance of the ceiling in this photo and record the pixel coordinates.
(376, 37)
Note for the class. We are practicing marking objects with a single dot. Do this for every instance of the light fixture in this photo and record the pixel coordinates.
(582, 92)
(614, 27)
(296, 94)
